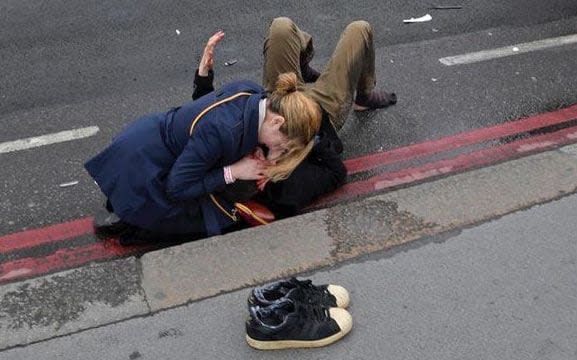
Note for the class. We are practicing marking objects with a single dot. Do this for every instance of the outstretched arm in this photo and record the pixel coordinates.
(204, 76)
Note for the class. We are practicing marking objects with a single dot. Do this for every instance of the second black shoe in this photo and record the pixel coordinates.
(287, 324)
(108, 224)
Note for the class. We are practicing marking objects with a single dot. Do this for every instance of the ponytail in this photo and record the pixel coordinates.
(286, 84)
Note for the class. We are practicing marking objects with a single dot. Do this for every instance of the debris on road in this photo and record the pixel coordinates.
(424, 18)
(230, 62)
(177, 32)
(68, 184)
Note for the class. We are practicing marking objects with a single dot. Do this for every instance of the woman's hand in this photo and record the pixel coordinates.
(207, 60)
(258, 154)
(248, 168)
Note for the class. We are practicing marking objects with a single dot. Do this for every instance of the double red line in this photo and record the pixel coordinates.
(68, 257)
(62, 258)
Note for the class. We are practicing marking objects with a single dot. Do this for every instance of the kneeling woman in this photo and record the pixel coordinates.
(161, 174)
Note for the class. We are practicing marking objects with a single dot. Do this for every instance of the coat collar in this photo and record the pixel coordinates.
(250, 122)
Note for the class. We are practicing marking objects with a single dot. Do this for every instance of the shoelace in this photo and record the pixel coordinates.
(310, 293)
(274, 313)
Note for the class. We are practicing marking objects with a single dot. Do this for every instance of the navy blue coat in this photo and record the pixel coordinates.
(158, 177)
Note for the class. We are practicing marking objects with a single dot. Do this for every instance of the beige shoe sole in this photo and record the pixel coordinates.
(341, 316)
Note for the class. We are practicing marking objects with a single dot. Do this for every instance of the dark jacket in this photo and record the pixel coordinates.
(320, 173)
(158, 177)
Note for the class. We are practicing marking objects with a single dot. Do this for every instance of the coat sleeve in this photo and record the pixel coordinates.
(196, 171)
(202, 84)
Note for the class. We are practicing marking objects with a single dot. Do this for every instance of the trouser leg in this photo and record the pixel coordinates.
(351, 68)
(284, 48)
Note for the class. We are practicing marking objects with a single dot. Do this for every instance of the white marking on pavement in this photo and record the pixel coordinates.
(48, 139)
(508, 50)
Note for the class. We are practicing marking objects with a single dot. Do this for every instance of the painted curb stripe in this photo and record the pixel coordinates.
(443, 167)
(63, 259)
(432, 147)
(45, 235)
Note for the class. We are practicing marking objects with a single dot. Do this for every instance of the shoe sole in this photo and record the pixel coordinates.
(341, 316)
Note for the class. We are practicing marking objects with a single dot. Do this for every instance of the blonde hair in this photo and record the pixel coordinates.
(302, 121)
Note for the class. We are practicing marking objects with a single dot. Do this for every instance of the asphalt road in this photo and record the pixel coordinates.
(72, 65)
(503, 290)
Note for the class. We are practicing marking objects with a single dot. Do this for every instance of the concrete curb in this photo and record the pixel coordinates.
(189, 272)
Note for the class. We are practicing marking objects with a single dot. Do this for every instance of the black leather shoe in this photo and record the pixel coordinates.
(108, 224)
(309, 74)
(287, 324)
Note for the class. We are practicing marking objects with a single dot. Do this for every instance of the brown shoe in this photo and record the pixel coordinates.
(376, 100)
(309, 74)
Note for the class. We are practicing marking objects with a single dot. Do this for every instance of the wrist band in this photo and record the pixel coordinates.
(228, 178)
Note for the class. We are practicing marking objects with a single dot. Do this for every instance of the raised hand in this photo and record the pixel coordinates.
(207, 60)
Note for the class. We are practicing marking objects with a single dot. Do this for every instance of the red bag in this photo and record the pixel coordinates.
(253, 213)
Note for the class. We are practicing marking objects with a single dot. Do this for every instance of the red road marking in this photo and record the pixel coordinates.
(45, 235)
(459, 163)
(428, 148)
(66, 258)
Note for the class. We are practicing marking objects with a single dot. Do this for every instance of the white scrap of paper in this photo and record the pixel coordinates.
(67, 184)
(424, 18)
(177, 32)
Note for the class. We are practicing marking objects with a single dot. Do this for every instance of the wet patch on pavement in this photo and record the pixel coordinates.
(70, 301)
(62, 298)
(372, 225)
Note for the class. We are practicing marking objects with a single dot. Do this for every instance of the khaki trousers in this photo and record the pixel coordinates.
(351, 67)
